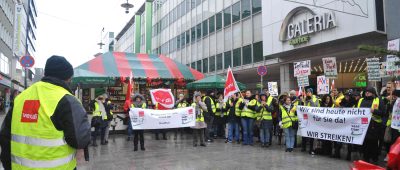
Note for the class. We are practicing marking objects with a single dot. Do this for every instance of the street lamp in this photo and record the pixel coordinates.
(127, 6)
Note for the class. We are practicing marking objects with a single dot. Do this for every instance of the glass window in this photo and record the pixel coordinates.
(198, 2)
(219, 21)
(187, 6)
(219, 62)
(236, 57)
(212, 63)
(193, 30)
(183, 9)
(178, 11)
(227, 17)
(193, 65)
(205, 28)
(193, 4)
(205, 65)
(235, 12)
(178, 42)
(245, 8)
(187, 37)
(256, 6)
(212, 24)
(183, 39)
(258, 51)
(198, 27)
(227, 59)
(199, 65)
(246, 54)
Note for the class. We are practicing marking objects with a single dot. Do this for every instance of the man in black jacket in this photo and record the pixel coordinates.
(69, 115)
(370, 145)
(209, 115)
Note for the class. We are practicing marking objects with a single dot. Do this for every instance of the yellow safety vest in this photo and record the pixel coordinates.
(97, 111)
(143, 106)
(221, 112)
(264, 114)
(238, 111)
(182, 105)
(375, 105)
(315, 100)
(389, 121)
(250, 113)
(287, 118)
(214, 109)
(35, 142)
(199, 118)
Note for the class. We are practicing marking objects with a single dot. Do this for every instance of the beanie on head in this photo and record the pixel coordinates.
(58, 67)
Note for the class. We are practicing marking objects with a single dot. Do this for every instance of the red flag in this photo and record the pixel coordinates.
(163, 97)
(128, 93)
(231, 86)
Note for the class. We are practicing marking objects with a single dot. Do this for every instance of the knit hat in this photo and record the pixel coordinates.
(371, 90)
(197, 94)
(310, 90)
(58, 67)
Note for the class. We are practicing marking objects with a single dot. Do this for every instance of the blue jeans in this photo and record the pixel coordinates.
(265, 134)
(290, 135)
(130, 130)
(233, 127)
(247, 124)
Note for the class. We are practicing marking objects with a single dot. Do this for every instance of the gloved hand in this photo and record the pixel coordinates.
(280, 124)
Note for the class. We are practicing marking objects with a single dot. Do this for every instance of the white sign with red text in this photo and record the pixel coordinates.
(330, 67)
(302, 68)
(322, 85)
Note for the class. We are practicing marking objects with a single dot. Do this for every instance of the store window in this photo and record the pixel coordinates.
(193, 34)
(237, 57)
(246, 54)
(258, 51)
(198, 29)
(227, 59)
(205, 28)
(246, 8)
(227, 16)
(4, 64)
(212, 64)
(236, 12)
(219, 21)
(212, 24)
(256, 6)
(219, 62)
(199, 65)
(205, 65)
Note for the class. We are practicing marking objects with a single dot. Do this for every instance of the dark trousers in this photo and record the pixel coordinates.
(304, 141)
(209, 121)
(370, 148)
(138, 134)
(198, 133)
(327, 147)
(163, 132)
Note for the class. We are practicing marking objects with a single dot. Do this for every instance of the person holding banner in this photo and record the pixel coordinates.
(248, 107)
(198, 129)
(209, 115)
(138, 102)
(158, 106)
(289, 122)
(371, 142)
(181, 103)
(265, 116)
(233, 118)
(311, 101)
(326, 144)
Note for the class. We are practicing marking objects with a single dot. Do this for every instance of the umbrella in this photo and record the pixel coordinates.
(104, 68)
(212, 82)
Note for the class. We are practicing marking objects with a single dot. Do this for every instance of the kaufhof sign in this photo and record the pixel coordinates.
(302, 22)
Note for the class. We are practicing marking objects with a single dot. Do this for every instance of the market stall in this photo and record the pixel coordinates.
(109, 74)
(211, 82)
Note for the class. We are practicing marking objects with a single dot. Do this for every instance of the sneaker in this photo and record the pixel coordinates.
(204, 145)
(312, 153)
(209, 140)
(142, 148)
(135, 149)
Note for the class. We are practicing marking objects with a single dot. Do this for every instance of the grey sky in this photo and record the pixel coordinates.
(72, 28)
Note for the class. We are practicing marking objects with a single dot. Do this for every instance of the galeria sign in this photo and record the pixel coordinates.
(346, 125)
(162, 119)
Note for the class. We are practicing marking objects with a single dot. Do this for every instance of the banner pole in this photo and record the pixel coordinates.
(261, 87)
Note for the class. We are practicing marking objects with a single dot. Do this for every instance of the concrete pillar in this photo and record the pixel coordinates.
(287, 79)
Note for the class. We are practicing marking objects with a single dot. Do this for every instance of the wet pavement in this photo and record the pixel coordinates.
(180, 154)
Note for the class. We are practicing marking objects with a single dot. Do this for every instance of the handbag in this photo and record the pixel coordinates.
(96, 121)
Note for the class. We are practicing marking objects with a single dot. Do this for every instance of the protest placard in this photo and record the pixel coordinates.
(330, 67)
(373, 68)
(273, 88)
(303, 81)
(302, 68)
(322, 85)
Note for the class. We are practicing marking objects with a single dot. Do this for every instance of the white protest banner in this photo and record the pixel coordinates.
(162, 119)
(322, 85)
(302, 68)
(303, 81)
(330, 67)
(347, 125)
(373, 68)
(273, 88)
(396, 115)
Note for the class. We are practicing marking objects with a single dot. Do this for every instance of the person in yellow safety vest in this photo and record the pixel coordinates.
(311, 101)
(248, 107)
(180, 103)
(337, 97)
(138, 102)
(158, 106)
(199, 109)
(105, 132)
(219, 123)
(99, 118)
(288, 121)
(47, 124)
(233, 118)
(265, 116)
(209, 115)
(371, 144)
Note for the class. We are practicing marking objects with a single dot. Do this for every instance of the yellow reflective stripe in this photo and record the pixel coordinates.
(37, 141)
(42, 164)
